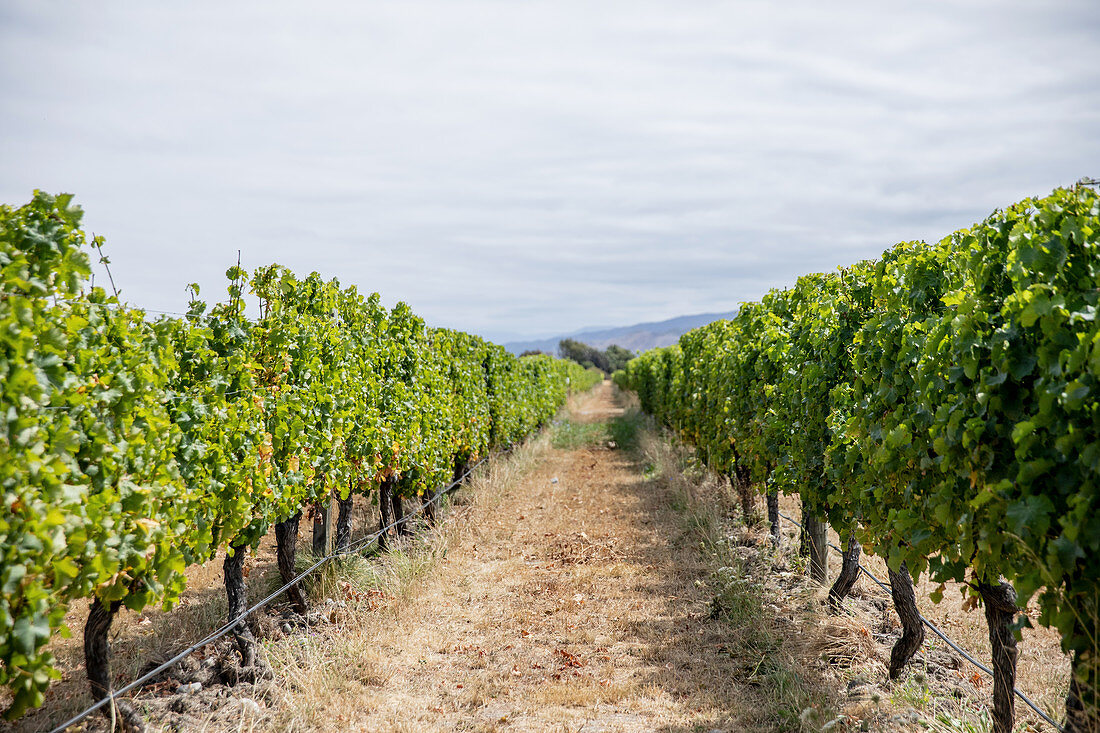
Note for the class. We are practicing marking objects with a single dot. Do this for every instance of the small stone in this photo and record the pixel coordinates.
(554, 480)
(189, 689)
(286, 628)
(249, 706)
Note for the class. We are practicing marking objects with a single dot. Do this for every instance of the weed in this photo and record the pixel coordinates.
(326, 581)
(626, 428)
(570, 435)
(948, 723)
(913, 692)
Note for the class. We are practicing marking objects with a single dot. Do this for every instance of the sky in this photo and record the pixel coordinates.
(523, 169)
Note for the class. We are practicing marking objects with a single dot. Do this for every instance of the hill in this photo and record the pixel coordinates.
(638, 338)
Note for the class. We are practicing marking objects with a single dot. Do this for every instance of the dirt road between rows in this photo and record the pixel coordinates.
(567, 602)
(572, 587)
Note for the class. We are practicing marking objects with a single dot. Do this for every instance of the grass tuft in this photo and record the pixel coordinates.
(570, 435)
(625, 429)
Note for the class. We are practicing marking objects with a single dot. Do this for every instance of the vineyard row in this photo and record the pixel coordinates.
(938, 408)
(131, 448)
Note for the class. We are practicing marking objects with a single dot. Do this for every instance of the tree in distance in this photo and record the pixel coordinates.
(613, 358)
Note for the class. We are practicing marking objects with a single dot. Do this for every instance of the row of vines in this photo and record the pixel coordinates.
(131, 448)
(938, 407)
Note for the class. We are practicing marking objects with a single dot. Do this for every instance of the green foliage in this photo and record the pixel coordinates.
(942, 400)
(617, 357)
(626, 428)
(130, 449)
(91, 495)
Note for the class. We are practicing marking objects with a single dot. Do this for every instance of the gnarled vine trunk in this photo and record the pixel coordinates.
(905, 603)
(385, 512)
(403, 527)
(97, 664)
(427, 506)
(343, 523)
(286, 552)
(773, 514)
(1000, 612)
(461, 467)
(322, 519)
(816, 547)
(849, 574)
(233, 569)
(739, 480)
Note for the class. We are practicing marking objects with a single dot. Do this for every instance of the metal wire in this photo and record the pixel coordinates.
(229, 626)
(935, 630)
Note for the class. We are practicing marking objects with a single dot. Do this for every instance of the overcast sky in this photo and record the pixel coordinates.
(529, 168)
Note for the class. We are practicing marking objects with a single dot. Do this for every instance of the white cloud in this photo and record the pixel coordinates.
(536, 167)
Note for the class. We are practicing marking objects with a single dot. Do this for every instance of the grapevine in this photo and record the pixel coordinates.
(939, 407)
(132, 448)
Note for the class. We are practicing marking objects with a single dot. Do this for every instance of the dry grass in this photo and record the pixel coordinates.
(788, 690)
(335, 674)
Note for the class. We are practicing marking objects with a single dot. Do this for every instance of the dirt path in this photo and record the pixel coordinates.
(567, 603)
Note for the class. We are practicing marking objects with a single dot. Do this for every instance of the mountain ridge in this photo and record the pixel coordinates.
(638, 337)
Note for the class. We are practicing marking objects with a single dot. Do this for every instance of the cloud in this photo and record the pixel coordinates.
(537, 167)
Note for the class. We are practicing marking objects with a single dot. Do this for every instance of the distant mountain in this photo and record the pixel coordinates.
(638, 338)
